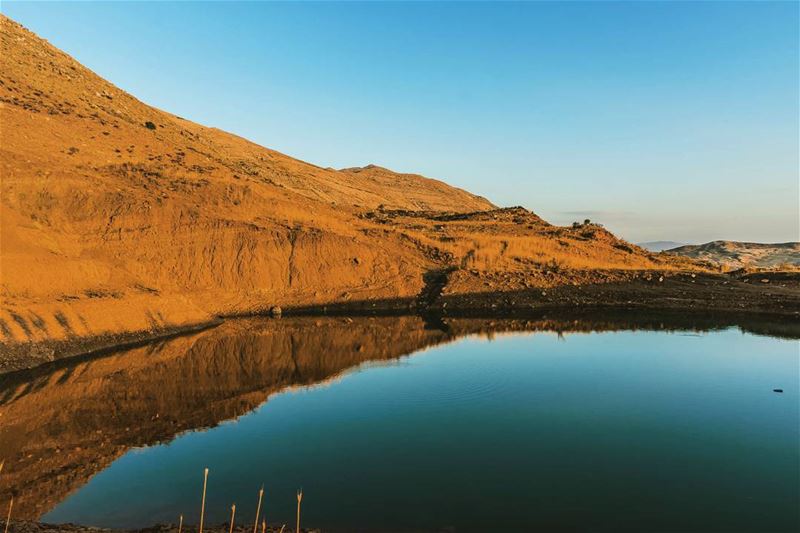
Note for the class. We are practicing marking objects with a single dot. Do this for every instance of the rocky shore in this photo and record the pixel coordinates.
(769, 293)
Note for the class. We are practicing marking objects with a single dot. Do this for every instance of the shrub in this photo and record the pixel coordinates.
(554, 265)
(149, 125)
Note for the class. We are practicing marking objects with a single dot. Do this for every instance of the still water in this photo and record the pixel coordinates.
(392, 425)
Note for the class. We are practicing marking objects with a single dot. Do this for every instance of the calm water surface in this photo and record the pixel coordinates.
(609, 431)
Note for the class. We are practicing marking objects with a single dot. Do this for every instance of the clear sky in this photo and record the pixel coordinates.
(673, 120)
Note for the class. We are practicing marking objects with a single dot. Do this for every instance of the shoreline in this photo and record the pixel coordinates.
(692, 294)
(30, 526)
(29, 355)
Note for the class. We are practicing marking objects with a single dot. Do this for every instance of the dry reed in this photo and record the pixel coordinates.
(203, 504)
(180, 524)
(258, 509)
(8, 518)
(233, 516)
(299, 499)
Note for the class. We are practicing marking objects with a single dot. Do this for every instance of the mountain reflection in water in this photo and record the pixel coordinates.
(62, 423)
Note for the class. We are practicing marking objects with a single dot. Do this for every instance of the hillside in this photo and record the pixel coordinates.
(732, 254)
(120, 222)
(412, 191)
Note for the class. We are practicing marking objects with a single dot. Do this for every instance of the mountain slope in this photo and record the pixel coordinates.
(39, 78)
(105, 198)
(412, 191)
(734, 254)
(120, 220)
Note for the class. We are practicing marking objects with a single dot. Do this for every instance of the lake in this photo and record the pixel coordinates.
(412, 424)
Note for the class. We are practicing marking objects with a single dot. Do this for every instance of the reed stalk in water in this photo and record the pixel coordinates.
(299, 499)
(258, 509)
(8, 518)
(11, 503)
(263, 526)
(203, 503)
(180, 524)
(233, 516)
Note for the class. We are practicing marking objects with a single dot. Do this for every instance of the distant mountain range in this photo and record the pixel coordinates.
(660, 246)
(741, 254)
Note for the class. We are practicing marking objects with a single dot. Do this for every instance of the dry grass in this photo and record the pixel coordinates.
(10, 503)
(231, 524)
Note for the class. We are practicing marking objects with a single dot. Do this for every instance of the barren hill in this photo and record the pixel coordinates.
(734, 254)
(120, 221)
(412, 191)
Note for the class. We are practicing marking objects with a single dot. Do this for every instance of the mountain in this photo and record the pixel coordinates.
(120, 222)
(659, 246)
(733, 254)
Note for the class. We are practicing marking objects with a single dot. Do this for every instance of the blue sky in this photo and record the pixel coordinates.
(673, 120)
